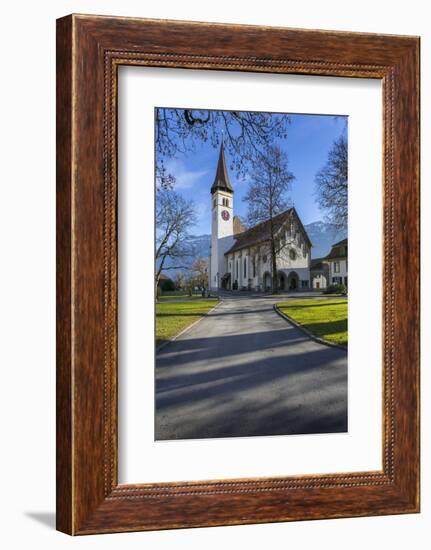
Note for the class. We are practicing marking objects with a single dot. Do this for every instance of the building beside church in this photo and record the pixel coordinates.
(332, 269)
(240, 258)
(319, 274)
(338, 263)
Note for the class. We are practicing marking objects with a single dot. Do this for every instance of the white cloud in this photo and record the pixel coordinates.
(184, 178)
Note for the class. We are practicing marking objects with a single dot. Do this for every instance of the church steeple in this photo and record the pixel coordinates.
(221, 181)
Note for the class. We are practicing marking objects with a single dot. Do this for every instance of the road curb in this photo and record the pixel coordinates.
(307, 332)
(161, 346)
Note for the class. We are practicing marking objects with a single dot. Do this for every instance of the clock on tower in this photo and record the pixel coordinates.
(221, 222)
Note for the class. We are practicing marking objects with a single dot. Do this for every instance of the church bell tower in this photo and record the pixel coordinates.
(221, 222)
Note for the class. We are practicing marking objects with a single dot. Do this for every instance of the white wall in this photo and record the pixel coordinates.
(27, 275)
(221, 236)
(319, 280)
(342, 269)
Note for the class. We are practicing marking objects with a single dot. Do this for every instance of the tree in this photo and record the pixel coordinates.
(178, 131)
(166, 284)
(331, 184)
(200, 273)
(179, 280)
(267, 197)
(174, 217)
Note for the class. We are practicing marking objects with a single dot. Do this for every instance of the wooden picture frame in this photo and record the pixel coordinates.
(89, 51)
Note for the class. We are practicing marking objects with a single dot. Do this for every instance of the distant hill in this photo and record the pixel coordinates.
(201, 247)
(321, 235)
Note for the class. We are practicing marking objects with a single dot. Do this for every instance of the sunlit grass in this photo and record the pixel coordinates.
(173, 317)
(324, 317)
(180, 297)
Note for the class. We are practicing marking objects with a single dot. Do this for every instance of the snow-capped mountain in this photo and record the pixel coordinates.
(321, 234)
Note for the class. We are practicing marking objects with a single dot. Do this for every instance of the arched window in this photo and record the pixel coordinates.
(292, 254)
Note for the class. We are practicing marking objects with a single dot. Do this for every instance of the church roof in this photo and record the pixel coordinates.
(221, 180)
(261, 232)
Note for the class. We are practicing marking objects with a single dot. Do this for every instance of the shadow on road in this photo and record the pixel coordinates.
(258, 384)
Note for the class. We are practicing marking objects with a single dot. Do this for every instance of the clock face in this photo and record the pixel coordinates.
(225, 215)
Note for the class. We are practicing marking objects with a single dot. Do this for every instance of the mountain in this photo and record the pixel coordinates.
(321, 235)
(201, 245)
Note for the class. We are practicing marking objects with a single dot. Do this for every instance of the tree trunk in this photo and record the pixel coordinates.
(158, 273)
(273, 256)
(157, 289)
(274, 268)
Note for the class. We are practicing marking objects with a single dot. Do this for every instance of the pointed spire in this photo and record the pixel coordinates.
(221, 180)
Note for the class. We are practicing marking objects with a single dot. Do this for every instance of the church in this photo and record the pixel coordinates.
(240, 257)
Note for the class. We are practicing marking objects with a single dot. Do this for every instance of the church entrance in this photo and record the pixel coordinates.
(293, 281)
(225, 281)
(281, 281)
(267, 281)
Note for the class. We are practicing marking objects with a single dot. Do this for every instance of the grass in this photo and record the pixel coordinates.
(168, 298)
(173, 317)
(324, 317)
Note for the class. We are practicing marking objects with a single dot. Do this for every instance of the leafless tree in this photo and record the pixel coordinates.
(178, 131)
(200, 273)
(331, 184)
(174, 217)
(180, 280)
(267, 198)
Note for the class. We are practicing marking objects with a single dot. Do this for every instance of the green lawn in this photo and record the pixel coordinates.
(173, 317)
(180, 297)
(324, 317)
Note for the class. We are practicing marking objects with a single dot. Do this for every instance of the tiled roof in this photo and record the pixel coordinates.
(318, 264)
(163, 277)
(340, 243)
(338, 250)
(260, 233)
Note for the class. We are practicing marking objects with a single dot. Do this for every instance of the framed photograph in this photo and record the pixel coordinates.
(237, 274)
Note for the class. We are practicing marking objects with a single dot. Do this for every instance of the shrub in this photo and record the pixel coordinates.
(335, 289)
(167, 284)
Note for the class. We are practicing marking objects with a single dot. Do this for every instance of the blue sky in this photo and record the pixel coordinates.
(308, 142)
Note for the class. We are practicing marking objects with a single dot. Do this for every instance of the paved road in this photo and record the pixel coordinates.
(245, 371)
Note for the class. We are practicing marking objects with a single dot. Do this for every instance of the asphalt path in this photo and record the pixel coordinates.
(244, 371)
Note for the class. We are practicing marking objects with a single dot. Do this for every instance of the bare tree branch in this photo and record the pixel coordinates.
(332, 184)
(247, 134)
(174, 217)
(267, 197)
